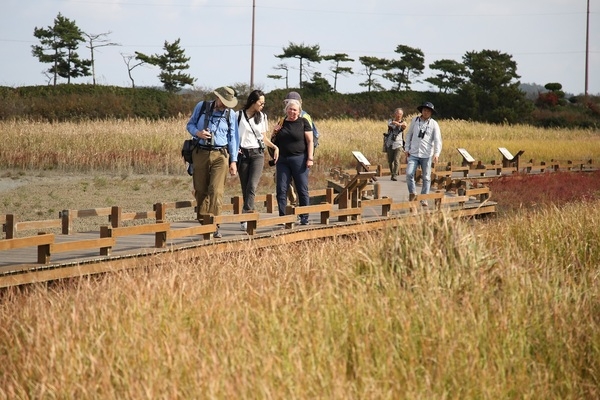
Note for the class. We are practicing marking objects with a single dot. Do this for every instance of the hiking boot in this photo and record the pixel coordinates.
(217, 235)
(244, 226)
(394, 178)
(411, 196)
(424, 203)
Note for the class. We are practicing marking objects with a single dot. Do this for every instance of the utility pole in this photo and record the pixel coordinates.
(252, 54)
(587, 48)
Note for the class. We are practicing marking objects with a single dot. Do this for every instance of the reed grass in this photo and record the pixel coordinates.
(433, 308)
(439, 308)
(139, 146)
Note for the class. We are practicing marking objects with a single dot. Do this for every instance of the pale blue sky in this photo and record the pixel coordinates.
(545, 37)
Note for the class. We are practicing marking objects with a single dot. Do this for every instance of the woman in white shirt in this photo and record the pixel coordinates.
(253, 126)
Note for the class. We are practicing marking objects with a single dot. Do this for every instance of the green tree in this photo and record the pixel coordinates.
(492, 92)
(318, 84)
(411, 64)
(171, 65)
(282, 67)
(58, 45)
(337, 69)
(451, 77)
(304, 54)
(372, 65)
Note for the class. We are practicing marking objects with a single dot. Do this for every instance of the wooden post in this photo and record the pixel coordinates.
(105, 232)
(238, 204)
(10, 226)
(67, 222)
(115, 216)
(330, 195)
(270, 203)
(43, 252)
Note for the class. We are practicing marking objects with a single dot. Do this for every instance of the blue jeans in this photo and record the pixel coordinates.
(288, 168)
(411, 168)
(250, 167)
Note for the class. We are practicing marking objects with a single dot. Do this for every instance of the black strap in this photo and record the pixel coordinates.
(248, 120)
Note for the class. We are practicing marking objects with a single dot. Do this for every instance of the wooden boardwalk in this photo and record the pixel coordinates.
(64, 255)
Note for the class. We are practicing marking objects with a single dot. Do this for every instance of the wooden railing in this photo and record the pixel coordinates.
(163, 231)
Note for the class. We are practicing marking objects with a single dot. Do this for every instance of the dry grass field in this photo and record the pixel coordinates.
(503, 308)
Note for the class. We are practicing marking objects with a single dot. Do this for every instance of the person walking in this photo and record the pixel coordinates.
(214, 126)
(253, 126)
(294, 137)
(423, 147)
(394, 142)
(292, 196)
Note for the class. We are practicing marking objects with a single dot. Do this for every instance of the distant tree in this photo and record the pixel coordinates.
(171, 65)
(58, 45)
(95, 41)
(336, 69)
(128, 59)
(451, 77)
(276, 77)
(553, 97)
(372, 65)
(410, 64)
(305, 55)
(282, 67)
(492, 91)
(318, 84)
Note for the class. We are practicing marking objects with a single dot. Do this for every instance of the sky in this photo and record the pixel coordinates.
(546, 38)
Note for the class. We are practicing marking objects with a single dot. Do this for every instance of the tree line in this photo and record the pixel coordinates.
(485, 84)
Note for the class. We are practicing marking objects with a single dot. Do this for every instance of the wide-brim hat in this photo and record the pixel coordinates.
(429, 105)
(227, 96)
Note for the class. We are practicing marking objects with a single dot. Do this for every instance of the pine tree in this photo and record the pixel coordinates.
(58, 45)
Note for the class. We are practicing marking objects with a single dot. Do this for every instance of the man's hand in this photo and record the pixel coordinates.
(233, 169)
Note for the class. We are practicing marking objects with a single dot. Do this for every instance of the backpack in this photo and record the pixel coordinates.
(190, 144)
(315, 131)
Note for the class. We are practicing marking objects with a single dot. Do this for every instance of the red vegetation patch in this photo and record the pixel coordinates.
(555, 188)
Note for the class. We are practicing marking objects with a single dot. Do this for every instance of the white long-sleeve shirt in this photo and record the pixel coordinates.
(430, 144)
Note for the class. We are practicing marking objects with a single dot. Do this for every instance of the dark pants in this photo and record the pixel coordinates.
(250, 167)
(288, 168)
(394, 157)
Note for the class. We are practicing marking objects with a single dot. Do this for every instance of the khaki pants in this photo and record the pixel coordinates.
(210, 172)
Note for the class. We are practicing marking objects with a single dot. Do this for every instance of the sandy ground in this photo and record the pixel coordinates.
(40, 195)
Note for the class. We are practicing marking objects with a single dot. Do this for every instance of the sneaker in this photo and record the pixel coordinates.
(304, 222)
(244, 226)
(394, 178)
(424, 203)
(217, 235)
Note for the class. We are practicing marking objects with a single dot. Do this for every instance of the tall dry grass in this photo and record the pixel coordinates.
(138, 146)
(441, 308)
(438, 309)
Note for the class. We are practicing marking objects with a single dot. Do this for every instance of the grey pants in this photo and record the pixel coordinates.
(250, 167)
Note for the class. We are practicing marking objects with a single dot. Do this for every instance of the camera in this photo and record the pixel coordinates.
(261, 145)
(271, 163)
